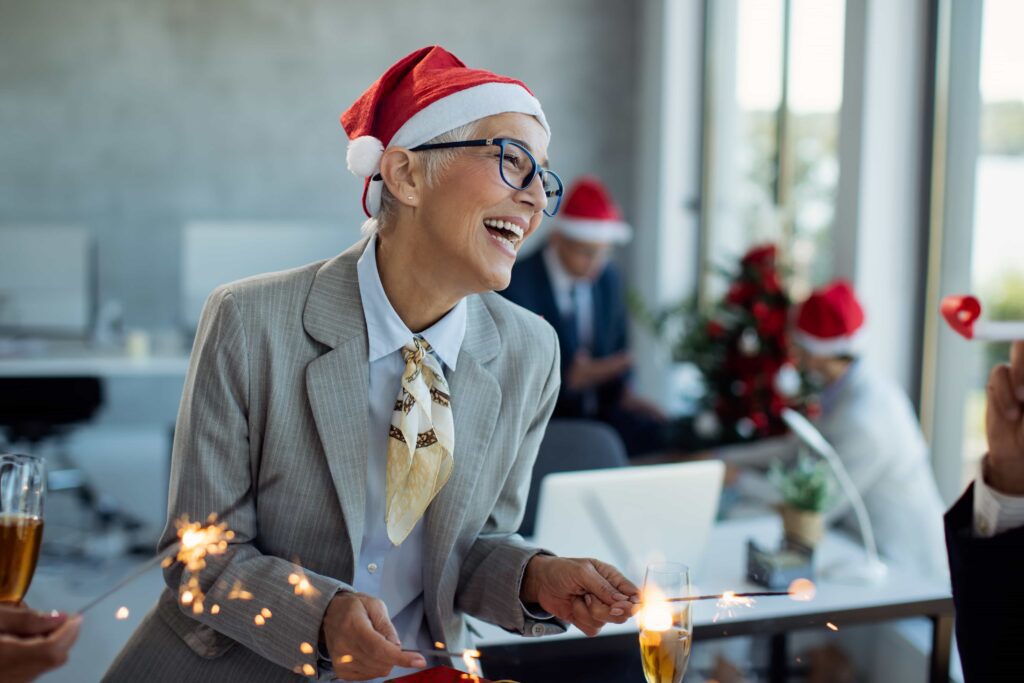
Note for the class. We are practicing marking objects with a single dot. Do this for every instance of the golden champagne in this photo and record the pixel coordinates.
(665, 654)
(20, 537)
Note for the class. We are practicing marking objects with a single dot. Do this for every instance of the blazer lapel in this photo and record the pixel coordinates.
(476, 402)
(337, 384)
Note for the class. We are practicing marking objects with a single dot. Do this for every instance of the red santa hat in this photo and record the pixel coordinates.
(589, 214)
(831, 321)
(423, 95)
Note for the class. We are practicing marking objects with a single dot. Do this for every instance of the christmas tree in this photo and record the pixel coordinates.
(741, 348)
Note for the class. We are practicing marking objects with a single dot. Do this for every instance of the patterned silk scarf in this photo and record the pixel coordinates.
(420, 441)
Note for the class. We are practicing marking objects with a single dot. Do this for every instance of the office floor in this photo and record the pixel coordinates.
(67, 586)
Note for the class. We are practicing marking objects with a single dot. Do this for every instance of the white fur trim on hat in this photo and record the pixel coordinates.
(373, 193)
(466, 106)
(837, 346)
(608, 232)
(363, 155)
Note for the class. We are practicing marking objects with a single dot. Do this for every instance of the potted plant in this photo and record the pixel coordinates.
(806, 488)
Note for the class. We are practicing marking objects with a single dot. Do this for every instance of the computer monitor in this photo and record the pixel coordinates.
(632, 516)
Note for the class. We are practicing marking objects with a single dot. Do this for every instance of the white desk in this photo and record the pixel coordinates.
(75, 359)
(899, 596)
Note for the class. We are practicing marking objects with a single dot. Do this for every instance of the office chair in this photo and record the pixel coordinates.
(571, 445)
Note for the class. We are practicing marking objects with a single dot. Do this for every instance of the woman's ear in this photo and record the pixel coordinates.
(402, 175)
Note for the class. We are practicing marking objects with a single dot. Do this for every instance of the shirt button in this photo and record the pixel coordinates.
(372, 567)
(537, 629)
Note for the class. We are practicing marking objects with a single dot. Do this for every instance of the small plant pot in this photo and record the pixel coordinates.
(802, 526)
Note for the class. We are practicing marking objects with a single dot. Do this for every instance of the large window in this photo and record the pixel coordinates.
(980, 146)
(772, 98)
(997, 263)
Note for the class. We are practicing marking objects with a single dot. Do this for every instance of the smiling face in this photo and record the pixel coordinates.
(470, 224)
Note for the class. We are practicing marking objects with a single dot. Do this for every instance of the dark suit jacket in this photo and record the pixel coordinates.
(531, 288)
(988, 591)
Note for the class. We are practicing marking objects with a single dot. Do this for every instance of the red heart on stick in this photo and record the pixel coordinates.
(961, 311)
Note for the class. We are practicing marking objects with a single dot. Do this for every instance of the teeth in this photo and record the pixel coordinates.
(504, 240)
(504, 225)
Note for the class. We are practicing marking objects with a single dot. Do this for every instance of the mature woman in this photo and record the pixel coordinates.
(372, 420)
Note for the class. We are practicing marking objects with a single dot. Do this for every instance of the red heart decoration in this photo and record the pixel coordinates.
(961, 311)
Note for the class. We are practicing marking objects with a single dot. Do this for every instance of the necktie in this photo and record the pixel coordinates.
(420, 441)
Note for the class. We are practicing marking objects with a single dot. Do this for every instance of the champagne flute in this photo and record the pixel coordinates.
(22, 489)
(666, 628)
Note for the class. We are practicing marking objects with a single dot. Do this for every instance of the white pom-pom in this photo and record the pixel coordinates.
(363, 156)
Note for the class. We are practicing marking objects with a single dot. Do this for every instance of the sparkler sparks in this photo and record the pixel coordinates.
(308, 669)
(471, 658)
(729, 603)
(306, 648)
(239, 593)
(831, 626)
(301, 584)
(802, 590)
(195, 543)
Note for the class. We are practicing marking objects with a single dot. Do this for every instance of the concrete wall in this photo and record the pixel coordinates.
(132, 117)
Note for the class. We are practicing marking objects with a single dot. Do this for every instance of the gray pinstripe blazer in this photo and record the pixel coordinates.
(274, 413)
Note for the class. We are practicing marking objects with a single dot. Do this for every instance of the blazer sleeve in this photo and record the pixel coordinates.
(212, 469)
(492, 573)
(988, 595)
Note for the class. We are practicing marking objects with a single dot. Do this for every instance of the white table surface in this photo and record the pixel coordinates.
(76, 359)
(725, 569)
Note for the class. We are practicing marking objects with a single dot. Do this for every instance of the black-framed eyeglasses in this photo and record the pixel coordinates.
(517, 166)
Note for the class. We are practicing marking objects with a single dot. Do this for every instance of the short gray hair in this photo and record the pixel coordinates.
(434, 163)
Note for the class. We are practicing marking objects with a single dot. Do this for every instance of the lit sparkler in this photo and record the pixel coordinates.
(195, 542)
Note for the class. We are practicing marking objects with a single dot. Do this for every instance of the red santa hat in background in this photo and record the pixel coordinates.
(423, 95)
(831, 321)
(589, 214)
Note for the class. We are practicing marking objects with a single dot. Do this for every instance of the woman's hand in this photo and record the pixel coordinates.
(585, 592)
(361, 639)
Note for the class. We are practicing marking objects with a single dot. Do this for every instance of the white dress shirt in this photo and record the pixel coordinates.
(994, 512)
(572, 295)
(392, 573)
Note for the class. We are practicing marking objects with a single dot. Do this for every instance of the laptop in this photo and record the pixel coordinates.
(632, 516)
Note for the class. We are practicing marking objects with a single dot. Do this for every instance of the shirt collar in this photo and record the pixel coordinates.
(385, 331)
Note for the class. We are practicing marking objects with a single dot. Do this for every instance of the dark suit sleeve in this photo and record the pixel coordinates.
(988, 592)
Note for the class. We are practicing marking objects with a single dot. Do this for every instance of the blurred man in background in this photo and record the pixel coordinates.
(571, 283)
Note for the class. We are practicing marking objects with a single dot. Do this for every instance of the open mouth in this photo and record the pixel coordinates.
(504, 231)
